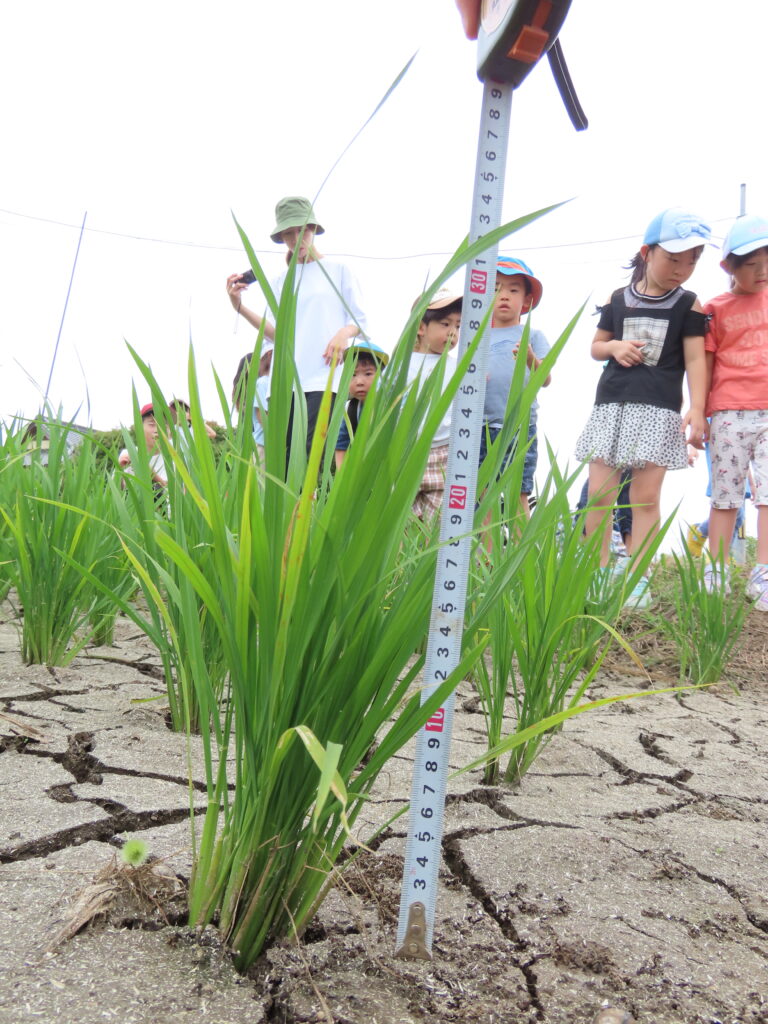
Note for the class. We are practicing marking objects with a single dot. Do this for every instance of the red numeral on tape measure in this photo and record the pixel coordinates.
(478, 281)
(457, 497)
(436, 722)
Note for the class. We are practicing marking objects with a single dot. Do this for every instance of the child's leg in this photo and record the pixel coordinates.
(529, 468)
(760, 490)
(731, 443)
(487, 437)
(604, 484)
(622, 514)
(721, 523)
(645, 498)
(762, 534)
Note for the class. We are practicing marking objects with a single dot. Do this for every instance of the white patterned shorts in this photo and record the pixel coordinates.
(736, 438)
(629, 434)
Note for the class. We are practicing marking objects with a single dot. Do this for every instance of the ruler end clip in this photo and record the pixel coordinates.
(414, 944)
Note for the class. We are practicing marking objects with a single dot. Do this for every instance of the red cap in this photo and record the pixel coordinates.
(147, 410)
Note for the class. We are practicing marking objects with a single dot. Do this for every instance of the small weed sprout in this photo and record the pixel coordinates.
(134, 852)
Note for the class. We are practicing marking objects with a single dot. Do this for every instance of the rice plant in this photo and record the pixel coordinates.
(144, 522)
(56, 507)
(289, 607)
(547, 627)
(705, 626)
(539, 598)
(5, 559)
(315, 592)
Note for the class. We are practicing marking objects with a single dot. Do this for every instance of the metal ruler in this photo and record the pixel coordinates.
(425, 832)
(527, 20)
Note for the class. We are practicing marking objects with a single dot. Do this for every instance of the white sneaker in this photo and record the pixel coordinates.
(716, 582)
(620, 566)
(639, 596)
(757, 588)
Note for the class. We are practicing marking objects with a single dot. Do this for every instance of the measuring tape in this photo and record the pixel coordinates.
(514, 36)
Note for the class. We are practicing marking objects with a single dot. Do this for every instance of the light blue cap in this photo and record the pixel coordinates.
(747, 234)
(378, 354)
(677, 230)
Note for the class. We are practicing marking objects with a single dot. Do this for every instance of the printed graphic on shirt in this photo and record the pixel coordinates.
(649, 330)
(745, 341)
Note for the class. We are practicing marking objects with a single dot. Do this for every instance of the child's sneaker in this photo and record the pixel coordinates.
(716, 581)
(620, 565)
(639, 596)
(757, 588)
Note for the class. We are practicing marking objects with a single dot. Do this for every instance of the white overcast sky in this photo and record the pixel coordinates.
(159, 119)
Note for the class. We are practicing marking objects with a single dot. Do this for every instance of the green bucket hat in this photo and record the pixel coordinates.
(294, 212)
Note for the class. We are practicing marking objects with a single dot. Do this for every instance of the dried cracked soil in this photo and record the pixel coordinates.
(629, 868)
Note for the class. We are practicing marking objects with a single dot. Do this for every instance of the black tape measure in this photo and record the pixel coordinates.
(514, 35)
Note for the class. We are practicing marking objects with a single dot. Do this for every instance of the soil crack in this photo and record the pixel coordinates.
(102, 831)
(86, 767)
(756, 919)
(146, 668)
(650, 812)
(457, 865)
(493, 799)
(46, 693)
(629, 775)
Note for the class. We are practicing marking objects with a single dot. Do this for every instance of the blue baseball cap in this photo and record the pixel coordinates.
(378, 354)
(746, 235)
(677, 230)
(511, 266)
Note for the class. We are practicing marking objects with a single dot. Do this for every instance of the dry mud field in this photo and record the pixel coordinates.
(629, 868)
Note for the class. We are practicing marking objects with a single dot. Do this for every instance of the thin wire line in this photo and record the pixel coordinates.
(64, 311)
(346, 255)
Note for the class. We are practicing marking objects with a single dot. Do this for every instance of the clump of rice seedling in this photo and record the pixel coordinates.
(57, 509)
(548, 626)
(317, 592)
(704, 624)
(288, 603)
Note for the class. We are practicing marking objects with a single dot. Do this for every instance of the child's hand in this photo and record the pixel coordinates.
(529, 357)
(627, 352)
(124, 460)
(698, 429)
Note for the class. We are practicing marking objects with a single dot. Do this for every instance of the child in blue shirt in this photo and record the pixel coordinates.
(517, 293)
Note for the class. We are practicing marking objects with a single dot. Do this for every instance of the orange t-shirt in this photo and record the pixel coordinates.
(738, 336)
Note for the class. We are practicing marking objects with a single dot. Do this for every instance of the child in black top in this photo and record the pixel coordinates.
(652, 335)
